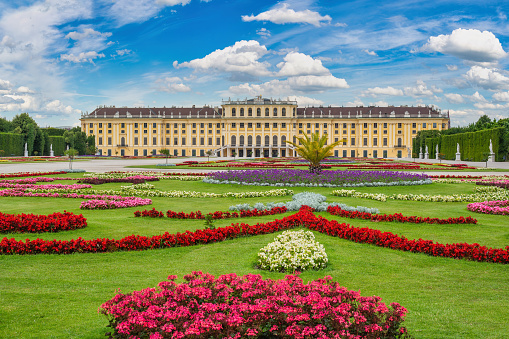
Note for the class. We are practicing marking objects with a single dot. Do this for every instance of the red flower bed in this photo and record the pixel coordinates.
(169, 174)
(499, 183)
(249, 306)
(28, 174)
(335, 210)
(153, 213)
(303, 218)
(31, 223)
(138, 179)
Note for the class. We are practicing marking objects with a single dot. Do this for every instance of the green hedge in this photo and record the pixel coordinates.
(11, 144)
(474, 145)
(58, 144)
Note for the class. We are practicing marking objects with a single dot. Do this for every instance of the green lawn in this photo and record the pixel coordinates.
(57, 296)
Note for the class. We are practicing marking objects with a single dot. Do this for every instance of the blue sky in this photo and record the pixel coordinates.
(59, 58)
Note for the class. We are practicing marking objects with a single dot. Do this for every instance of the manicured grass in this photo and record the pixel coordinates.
(57, 296)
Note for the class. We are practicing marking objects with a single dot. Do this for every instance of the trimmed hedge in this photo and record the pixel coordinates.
(473, 145)
(58, 144)
(11, 144)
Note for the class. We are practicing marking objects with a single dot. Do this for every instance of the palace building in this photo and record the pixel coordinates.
(258, 127)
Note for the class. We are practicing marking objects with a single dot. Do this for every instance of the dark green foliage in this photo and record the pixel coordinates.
(5, 125)
(78, 140)
(58, 144)
(39, 142)
(473, 145)
(54, 131)
(11, 144)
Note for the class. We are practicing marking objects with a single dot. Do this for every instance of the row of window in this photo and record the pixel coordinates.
(259, 112)
(154, 125)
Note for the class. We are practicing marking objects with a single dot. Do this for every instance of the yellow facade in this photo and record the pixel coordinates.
(258, 128)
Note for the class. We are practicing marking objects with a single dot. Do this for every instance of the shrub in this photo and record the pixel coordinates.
(239, 307)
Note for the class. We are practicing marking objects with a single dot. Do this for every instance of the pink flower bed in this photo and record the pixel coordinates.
(113, 201)
(500, 207)
(248, 306)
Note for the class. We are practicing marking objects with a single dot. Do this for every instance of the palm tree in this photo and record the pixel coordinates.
(314, 150)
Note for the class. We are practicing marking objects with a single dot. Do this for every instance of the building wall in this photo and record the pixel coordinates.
(370, 136)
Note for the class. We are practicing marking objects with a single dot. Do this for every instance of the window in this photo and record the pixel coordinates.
(100, 140)
(101, 125)
(210, 131)
(336, 131)
(352, 141)
(352, 131)
(183, 131)
(234, 112)
(267, 125)
(109, 140)
(400, 132)
(109, 124)
(365, 125)
(344, 131)
(443, 126)
(413, 131)
(365, 142)
(218, 141)
(145, 141)
(183, 125)
(414, 125)
(385, 131)
(136, 141)
(399, 124)
(258, 112)
(145, 125)
(385, 143)
(375, 125)
(193, 131)
(91, 125)
(434, 125)
(375, 131)
(109, 131)
(344, 153)
(258, 125)
(309, 125)
(202, 141)
(100, 131)
(154, 141)
(175, 125)
(201, 131)
(275, 112)
(423, 125)
(154, 131)
(274, 125)
(344, 125)
(241, 125)
(375, 143)
(145, 131)
(249, 112)
(154, 125)
(175, 131)
(317, 125)
(167, 141)
(194, 125)
(353, 125)
(154, 152)
(193, 141)
(325, 125)
(234, 125)
(202, 125)
(365, 131)
(167, 131)
(283, 125)
(242, 112)
(352, 153)
(385, 125)
(249, 125)
(375, 154)
(175, 141)
(267, 112)
(300, 125)
(122, 125)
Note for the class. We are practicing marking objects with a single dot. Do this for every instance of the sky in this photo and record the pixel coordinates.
(62, 58)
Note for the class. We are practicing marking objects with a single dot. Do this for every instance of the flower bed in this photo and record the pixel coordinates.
(249, 306)
(288, 177)
(153, 213)
(490, 207)
(498, 183)
(29, 174)
(129, 190)
(292, 251)
(303, 218)
(137, 179)
(94, 204)
(32, 223)
(494, 193)
(336, 210)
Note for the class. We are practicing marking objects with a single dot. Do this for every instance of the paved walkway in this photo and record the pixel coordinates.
(106, 165)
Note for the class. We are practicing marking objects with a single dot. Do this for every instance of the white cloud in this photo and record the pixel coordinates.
(242, 57)
(477, 97)
(122, 52)
(454, 98)
(372, 53)
(379, 103)
(421, 90)
(488, 105)
(306, 101)
(82, 57)
(284, 15)
(452, 68)
(172, 85)
(24, 89)
(356, 102)
(301, 64)
(487, 78)
(5, 84)
(468, 44)
(86, 33)
(128, 11)
(263, 32)
(382, 91)
(58, 106)
(501, 96)
(314, 83)
(453, 112)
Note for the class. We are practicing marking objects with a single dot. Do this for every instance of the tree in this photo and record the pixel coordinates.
(71, 153)
(166, 152)
(209, 153)
(314, 150)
